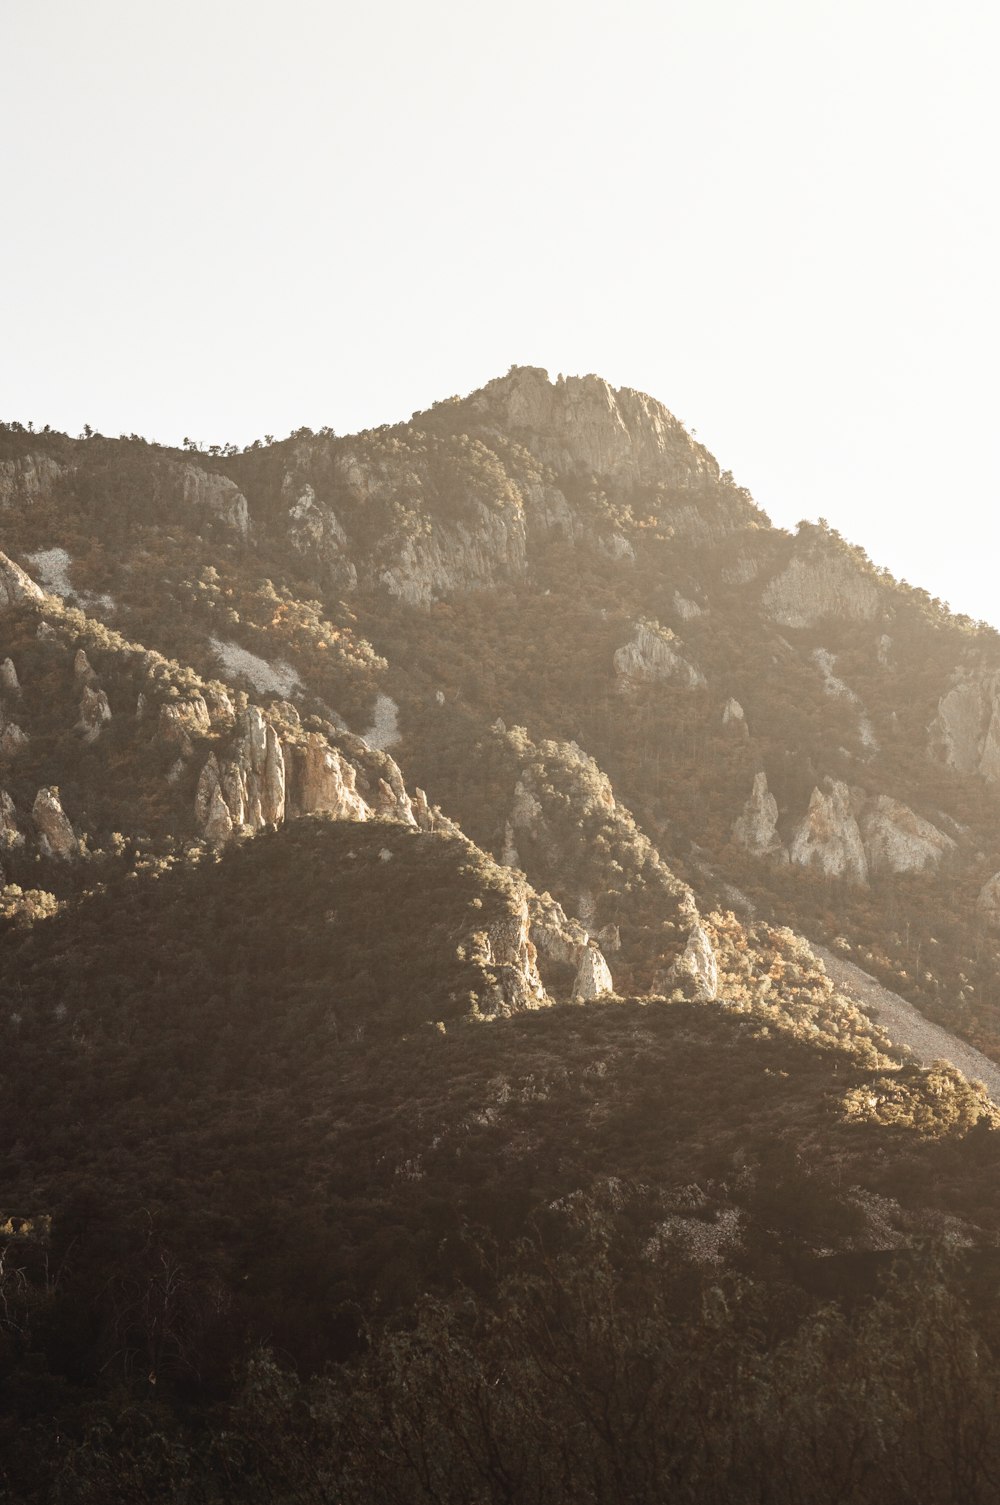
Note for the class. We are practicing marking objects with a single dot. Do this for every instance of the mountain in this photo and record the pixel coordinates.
(415, 846)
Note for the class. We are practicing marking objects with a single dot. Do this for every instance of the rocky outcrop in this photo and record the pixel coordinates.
(687, 610)
(9, 682)
(828, 836)
(898, 841)
(212, 814)
(95, 713)
(508, 958)
(218, 496)
(556, 937)
(965, 733)
(27, 478)
(247, 789)
(734, 718)
(820, 583)
(322, 782)
(56, 837)
(10, 833)
(487, 550)
(835, 687)
(181, 721)
(314, 530)
(83, 673)
(756, 829)
(848, 834)
(13, 738)
(654, 655)
(696, 970)
(15, 585)
(988, 900)
(581, 423)
(593, 978)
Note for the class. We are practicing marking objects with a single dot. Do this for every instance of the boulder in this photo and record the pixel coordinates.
(9, 682)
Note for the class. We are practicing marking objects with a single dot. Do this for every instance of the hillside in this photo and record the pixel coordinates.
(412, 844)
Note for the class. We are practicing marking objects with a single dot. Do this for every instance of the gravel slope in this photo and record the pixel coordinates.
(906, 1026)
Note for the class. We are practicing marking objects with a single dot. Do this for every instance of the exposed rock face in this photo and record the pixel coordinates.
(511, 964)
(217, 495)
(183, 720)
(734, 717)
(696, 970)
(55, 834)
(580, 423)
(965, 733)
(557, 938)
(211, 811)
(314, 530)
(897, 840)
(95, 713)
(247, 790)
(988, 901)
(82, 671)
(687, 610)
(322, 782)
(654, 654)
(10, 834)
(27, 478)
(9, 682)
(489, 549)
(848, 834)
(13, 739)
(836, 688)
(16, 585)
(820, 584)
(756, 829)
(593, 978)
(828, 836)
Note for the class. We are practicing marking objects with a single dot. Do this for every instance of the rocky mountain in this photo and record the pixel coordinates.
(412, 839)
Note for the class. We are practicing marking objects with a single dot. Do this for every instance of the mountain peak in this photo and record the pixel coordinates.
(582, 423)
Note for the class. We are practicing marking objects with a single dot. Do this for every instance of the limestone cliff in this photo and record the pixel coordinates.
(965, 733)
(508, 958)
(581, 423)
(655, 655)
(820, 582)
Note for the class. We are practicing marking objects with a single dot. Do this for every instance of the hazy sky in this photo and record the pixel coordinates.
(230, 218)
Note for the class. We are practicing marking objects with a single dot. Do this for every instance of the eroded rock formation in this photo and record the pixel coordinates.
(756, 829)
(55, 834)
(655, 654)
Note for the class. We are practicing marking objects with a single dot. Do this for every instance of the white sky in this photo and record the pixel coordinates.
(780, 217)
